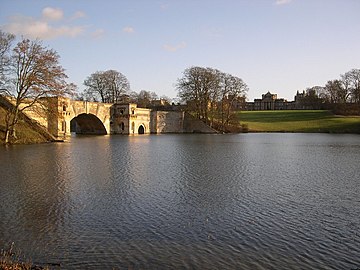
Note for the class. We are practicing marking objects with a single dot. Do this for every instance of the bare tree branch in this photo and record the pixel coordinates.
(33, 72)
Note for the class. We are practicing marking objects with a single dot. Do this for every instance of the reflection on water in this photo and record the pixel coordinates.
(250, 201)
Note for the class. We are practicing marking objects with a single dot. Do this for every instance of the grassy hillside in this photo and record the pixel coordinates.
(25, 132)
(299, 121)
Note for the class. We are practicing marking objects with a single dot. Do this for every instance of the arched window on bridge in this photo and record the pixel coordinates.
(63, 126)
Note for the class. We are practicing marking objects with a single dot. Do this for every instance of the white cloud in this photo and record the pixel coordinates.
(52, 14)
(32, 28)
(282, 2)
(128, 29)
(98, 33)
(43, 27)
(78, 15)
(171, 48)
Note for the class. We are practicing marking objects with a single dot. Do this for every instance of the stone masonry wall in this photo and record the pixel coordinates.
(194, 125)
(167, 122)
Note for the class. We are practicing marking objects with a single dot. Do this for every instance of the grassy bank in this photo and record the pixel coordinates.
(25, 133)
(299, 121)
(10, 261)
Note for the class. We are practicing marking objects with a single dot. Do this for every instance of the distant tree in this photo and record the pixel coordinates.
(33, 72)
(231, 89)
(117, 83)
(199, 88)
(314, 98)
(210, 93)
(352, 81)
(83, 96)
(132, 97)
(167, 100)
(95, 87)
(106, 86)
(6, 41)
(345, 89)
(335, 91)
(144, 98)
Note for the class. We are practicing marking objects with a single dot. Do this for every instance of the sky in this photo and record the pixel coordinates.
(280, 46)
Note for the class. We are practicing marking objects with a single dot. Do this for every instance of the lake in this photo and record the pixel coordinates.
(239, 201)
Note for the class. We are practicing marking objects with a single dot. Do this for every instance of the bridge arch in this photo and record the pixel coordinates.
(141, 129)
(87, 123)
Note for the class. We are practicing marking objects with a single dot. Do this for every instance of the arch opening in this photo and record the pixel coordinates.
(88, 124)
(141, 129)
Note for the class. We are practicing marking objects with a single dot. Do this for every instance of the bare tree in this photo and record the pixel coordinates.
(210, 93)
(95, 87)
(106, 86)
(165, 99)
(352, 79)
(34, 72)
(199, 88)
(314, 98)
(6, 40)
(117, 83)
(335, 92)
(145, 98)
(232, 89)
(344, 90)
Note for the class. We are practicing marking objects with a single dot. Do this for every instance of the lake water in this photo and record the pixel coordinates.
(244, 201)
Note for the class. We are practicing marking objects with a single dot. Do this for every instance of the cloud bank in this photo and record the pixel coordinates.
(52, 24)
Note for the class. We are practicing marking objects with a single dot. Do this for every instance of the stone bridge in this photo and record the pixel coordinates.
(84, 117)
(61, 116)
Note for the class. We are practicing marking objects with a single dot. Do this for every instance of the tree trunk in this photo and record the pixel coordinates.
(222, 114)
(6, 139)
(10, 123)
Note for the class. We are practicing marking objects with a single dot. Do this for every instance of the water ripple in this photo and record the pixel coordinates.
(252, 201)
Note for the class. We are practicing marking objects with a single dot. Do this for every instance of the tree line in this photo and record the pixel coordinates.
(112, 86)
(335, 93)
(30, 71)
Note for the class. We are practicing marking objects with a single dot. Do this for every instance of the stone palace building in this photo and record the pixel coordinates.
(270, 101)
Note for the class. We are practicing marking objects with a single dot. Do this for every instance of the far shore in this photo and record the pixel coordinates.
(286, 121)
(299, 121)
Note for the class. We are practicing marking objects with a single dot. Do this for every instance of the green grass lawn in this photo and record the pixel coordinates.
(299, 121)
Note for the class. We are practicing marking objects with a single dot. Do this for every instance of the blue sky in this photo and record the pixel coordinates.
(279, 46)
